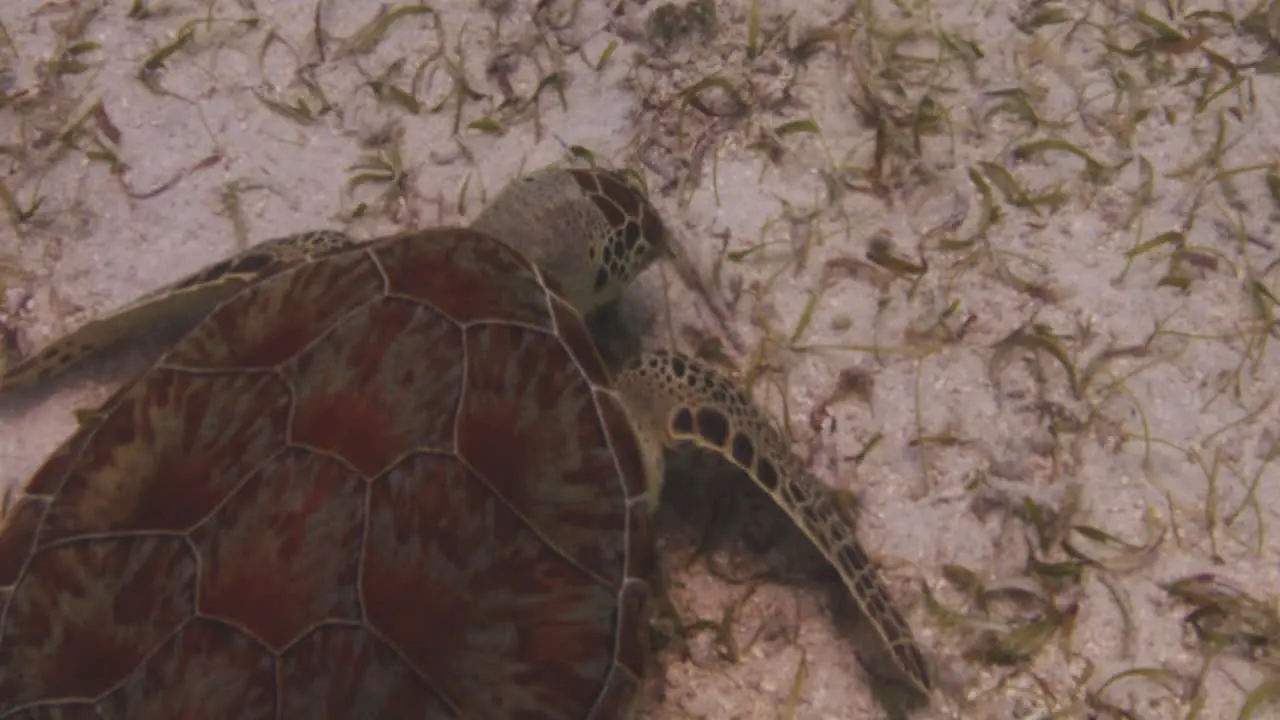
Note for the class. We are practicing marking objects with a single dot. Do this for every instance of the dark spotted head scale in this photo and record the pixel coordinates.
(639, 236)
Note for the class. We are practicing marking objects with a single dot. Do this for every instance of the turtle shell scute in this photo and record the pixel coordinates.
(389, 482)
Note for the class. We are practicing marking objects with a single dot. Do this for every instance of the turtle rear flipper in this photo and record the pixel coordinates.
(174, 308)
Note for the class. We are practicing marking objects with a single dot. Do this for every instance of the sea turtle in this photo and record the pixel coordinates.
(391, 479)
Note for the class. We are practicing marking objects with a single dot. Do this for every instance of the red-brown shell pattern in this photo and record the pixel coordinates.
(390, 483)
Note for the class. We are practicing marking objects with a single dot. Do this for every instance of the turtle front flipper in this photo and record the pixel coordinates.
(676, 400)
(176, 307)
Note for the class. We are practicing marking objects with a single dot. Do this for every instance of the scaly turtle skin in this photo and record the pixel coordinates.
(390, 480)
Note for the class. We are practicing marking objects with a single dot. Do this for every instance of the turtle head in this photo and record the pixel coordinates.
(590, 231)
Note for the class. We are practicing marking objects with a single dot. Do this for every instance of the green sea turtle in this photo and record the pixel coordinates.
(389, 479)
